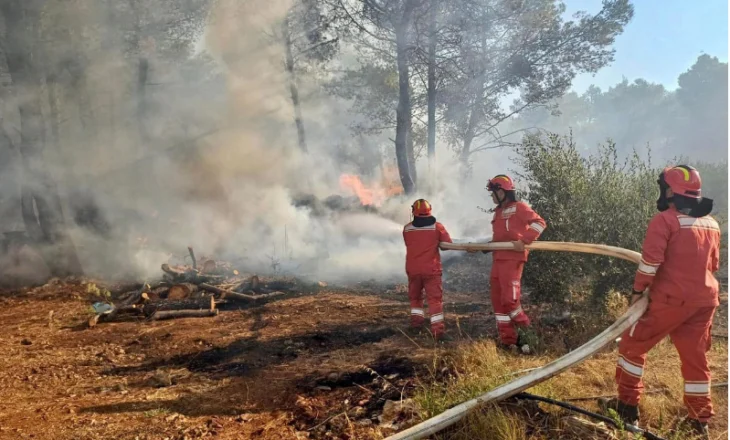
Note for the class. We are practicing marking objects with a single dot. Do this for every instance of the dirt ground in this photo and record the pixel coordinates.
(318, 365)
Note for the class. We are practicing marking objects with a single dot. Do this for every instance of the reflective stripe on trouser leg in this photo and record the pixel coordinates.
(506, 329)
(415, 294)
(698, 399)
(629, 372)
(693, 340)
(434, 295)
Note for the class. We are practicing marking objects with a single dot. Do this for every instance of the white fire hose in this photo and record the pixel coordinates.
(453, 415)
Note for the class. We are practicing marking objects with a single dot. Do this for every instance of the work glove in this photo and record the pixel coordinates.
(635, 295)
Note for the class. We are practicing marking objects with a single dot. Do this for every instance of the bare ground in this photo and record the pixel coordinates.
(304, 366)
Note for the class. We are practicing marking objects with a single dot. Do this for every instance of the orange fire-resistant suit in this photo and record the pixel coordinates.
(423, 267)
(513, 221)
(679, 255)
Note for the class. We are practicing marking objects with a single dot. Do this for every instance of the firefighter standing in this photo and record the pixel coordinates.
(681, 251)
(423, 266)
(514, 222)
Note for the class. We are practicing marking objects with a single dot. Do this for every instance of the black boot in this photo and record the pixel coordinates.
(628, 414)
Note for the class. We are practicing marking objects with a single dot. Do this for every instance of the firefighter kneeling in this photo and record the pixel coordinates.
(681, 251)
(423, 266)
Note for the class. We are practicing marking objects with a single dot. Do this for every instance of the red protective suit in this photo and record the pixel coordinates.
(678, 258)
(423, 267)
(513, 221)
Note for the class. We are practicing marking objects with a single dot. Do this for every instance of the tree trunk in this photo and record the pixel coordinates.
(21, 18)
(432, 92)
(143, 68)
(293, 87)
(30, 219)
(403, 111)
(468, 139)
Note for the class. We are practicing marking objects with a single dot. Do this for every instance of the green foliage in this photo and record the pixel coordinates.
(714, 186)
(594, 199)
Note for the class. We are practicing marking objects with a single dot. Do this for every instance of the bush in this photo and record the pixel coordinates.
(598, 199)
(714, 186)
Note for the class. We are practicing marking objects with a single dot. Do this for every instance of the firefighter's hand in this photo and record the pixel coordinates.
(635, 297)
(519, 245)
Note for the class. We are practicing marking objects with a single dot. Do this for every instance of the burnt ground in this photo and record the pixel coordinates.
(319, 365)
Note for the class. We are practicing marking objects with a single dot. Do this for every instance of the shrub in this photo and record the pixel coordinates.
(595, 199)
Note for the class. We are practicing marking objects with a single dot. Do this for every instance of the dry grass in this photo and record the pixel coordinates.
(473, 369)
(468, 372)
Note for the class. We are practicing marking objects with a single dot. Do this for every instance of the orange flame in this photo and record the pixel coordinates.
(372, 196)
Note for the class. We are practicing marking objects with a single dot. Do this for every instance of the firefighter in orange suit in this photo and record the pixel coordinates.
(681, 251)
(423, 266)
(513, 222)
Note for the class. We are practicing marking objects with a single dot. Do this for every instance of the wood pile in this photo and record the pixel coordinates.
(193, 291)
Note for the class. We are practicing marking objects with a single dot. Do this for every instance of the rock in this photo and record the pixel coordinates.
(214, 423)
(160, 379)
(396, 412)
(244, 418)
(333, 377)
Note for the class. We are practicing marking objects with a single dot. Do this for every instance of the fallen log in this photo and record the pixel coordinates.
(252, 283)
(279, 285)
(204, 303)
(107, 317)
(175, 272)
(509, 389)
(209, 267)
(229, 294)
(187, 275)
(172, 314)
(181, 291)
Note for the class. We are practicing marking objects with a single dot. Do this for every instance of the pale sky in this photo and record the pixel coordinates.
(664, 39)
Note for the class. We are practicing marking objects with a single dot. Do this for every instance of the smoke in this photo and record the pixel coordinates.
(207, 158)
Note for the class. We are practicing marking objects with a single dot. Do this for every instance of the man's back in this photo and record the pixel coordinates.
(422, 238)
(690, 256)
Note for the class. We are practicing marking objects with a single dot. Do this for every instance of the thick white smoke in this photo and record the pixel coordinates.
(220, 165)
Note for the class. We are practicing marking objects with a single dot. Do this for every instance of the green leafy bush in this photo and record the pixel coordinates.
(595, 199)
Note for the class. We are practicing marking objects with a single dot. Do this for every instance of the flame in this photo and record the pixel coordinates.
(373, 195)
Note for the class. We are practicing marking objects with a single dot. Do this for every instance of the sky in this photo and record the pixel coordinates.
(663, 40)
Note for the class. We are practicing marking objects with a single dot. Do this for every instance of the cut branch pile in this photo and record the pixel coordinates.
(194, 291)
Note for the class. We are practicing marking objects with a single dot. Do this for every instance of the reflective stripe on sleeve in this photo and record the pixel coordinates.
(418, 312)
(537, 227)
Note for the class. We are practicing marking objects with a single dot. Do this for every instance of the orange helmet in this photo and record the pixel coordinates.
(421, 208)
(501, 181)
(684, 180)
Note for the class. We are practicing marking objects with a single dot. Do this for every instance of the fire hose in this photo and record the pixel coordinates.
(514, 387)
(609, 421)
